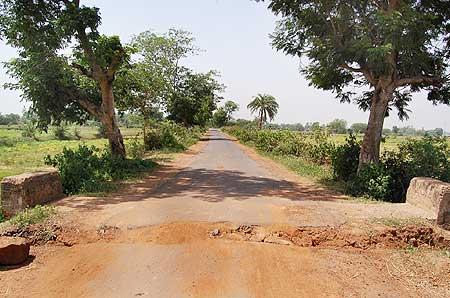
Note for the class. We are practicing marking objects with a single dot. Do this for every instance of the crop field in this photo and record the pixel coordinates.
(390, 142)
(19, 154)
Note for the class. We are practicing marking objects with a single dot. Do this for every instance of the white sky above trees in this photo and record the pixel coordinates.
(234, 35)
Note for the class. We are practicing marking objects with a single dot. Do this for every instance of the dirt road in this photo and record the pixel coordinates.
(153, 239)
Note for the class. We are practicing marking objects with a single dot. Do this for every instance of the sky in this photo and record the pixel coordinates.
(234, 37)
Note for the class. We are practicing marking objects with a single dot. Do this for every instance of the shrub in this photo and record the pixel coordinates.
(80, 169)
(29, 130)
(316, 147)
(169, 135)
(372, 181)
(136, 149)
(390, 179)
(77, 133)
(60, 132)
(32, 216)
(345, 159)
(87, 169)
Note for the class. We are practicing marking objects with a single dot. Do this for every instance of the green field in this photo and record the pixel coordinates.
(19, 155)
(390, 142)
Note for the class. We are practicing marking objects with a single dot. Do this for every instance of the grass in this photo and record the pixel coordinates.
(400, 222)
(31, 216)
(390, 143)
(24, 155)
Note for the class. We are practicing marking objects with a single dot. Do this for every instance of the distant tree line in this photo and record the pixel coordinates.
(10, 119)
(340, 126)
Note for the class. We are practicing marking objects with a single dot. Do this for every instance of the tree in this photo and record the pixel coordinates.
(151, 79)
(265, 106)
(358, 127)
(224, 114)
(9, 119)
(338, 126)
(64, 86)
(194, 99)
(393, 47)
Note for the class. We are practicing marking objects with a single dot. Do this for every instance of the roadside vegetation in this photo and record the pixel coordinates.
(319, 156)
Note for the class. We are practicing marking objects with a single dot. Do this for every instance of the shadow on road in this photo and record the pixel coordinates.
(206, 185)
(218, 185)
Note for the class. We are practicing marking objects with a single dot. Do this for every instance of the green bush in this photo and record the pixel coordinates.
(345, 159)
(32, 216)
(77, 133)
(316, 147)
(29, 130)
(80, 169)
(87, 169)
(60, 132)
(389, 180)
(136, 149)
(172, 136)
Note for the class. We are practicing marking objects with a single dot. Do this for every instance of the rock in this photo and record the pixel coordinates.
(214, 233)
(13, 250)
(28, 190)
(431, 195)
(276, 240)
(259, 236)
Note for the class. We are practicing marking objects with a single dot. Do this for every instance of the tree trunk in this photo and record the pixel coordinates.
(261, 120)
(370, 148)
(109, 120)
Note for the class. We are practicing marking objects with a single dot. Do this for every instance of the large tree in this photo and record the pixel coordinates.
(195, 98)
(224, 114)
(389, 47)
(265, 106)
(150, 81)
(63, 84)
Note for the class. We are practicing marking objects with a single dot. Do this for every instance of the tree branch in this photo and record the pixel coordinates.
(116, 61)
(353, 69)
(91, 108)
(83, 70)
(435, 81)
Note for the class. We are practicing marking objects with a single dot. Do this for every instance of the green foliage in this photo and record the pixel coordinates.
(224, 114)
(338, 126)
(150, 80)
(345, 159)
(32, 216)
(195, 98)
(29, 130)
(61, 84)
(358, 42)
(9, 119)
(392, 48)
(316, 147)
(60, 132)
(172, 136)
(77, 133)
(87, 169)
(389, 180)
(136, 149)
(265, 106)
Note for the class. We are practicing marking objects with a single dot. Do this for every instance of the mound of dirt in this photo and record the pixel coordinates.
(410, 236)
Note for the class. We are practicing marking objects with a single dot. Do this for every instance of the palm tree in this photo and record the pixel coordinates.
(266, 105)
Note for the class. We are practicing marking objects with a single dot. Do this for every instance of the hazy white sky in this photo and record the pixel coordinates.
(234, 35)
